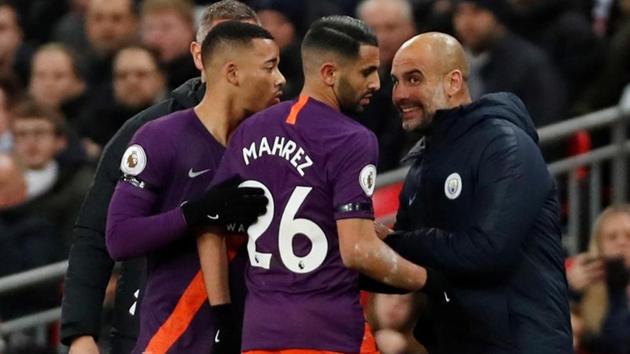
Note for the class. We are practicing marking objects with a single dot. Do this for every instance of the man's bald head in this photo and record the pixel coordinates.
(429, 73)
(440, 52)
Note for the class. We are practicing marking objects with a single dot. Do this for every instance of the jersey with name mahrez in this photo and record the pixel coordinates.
(316, 166)
(173, 159)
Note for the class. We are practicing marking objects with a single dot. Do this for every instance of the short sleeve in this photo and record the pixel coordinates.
(354, 176)
(148, 157)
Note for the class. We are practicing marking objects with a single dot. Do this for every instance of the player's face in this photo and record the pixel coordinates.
(261, 80)
(358, 80)
(418, 88)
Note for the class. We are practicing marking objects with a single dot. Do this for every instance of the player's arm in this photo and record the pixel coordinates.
(364, 252)
(214, 266)
(503, 213)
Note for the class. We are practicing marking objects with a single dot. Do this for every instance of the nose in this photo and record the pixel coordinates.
(399, 93)
(375, 84)
(280, 79)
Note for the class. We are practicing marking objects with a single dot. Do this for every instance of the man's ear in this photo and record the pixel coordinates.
(195, 51)
(230, 70)
(453, 82)
(328, 73)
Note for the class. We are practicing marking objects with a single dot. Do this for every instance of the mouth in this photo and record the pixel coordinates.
(277, 97)
(365, 100)
(407, 110)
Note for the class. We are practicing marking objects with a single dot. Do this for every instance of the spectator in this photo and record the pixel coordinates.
(605, 298)
(54, 191)
(109, 26)
(15, 56)
(284, 19)
(139, 82)
(70, 30)
(167, 27)
(10, 94)
(607, 89)
(393, 317)
(503, 61)
(56, 80)
(566, 36)
(393, 23)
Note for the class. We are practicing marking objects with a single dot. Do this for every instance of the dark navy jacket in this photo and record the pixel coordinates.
(479, 206)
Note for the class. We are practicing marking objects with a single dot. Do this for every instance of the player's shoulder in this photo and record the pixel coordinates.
(168, 125)
(278, 111)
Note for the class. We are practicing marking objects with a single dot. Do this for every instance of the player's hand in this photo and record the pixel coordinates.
(83, 345)
(584, 271)
(382, 231)
(227, 338)
(226, 204)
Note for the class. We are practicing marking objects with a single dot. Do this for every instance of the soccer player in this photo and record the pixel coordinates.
(160, 201)
(90, 265)
(317, 168)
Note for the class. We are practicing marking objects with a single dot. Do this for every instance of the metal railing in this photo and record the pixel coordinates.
(617, 152)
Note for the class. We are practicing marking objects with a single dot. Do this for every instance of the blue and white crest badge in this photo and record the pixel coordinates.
(453, 186)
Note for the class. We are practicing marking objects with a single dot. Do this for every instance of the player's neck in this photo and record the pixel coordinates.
(216, 116)
(325, 96)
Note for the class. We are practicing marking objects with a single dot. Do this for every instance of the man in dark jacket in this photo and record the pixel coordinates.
(90, 265)
(480, 207)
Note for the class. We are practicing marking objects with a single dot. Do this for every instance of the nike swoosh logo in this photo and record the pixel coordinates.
(193, 174)
(213, 217)
(446, 297)
(412, 199)
(216, 337)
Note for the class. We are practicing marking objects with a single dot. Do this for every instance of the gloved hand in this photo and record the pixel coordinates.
(225, 204)
(227, 338)
(437, 287)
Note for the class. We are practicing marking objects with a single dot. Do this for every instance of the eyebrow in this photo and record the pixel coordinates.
(272, 61)
(412, 72)
(369, 69)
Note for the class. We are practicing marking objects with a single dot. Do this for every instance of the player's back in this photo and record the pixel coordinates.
(310, 160)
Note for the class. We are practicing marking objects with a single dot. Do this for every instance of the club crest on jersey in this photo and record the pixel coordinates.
(134, 160)
(453, 186)
(367, 179)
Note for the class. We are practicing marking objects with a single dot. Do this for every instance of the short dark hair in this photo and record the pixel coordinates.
(29, 109)
(231, 33)
(152, 52)
(224, 10)
(340, 34)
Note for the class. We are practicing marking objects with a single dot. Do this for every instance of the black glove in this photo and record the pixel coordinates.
(226, 204)
(437, 287)
(227, 338)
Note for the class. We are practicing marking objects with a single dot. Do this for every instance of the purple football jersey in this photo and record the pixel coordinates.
(316, 166)
(172, 159)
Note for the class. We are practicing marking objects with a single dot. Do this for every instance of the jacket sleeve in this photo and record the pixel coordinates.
(90, 265)
(511, 188)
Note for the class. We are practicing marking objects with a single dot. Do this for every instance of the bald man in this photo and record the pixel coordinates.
(479, 206)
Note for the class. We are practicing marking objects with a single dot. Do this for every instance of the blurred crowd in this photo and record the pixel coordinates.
(73, 71)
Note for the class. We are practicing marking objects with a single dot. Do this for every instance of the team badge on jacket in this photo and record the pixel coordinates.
(453, 186)
(134, 160)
